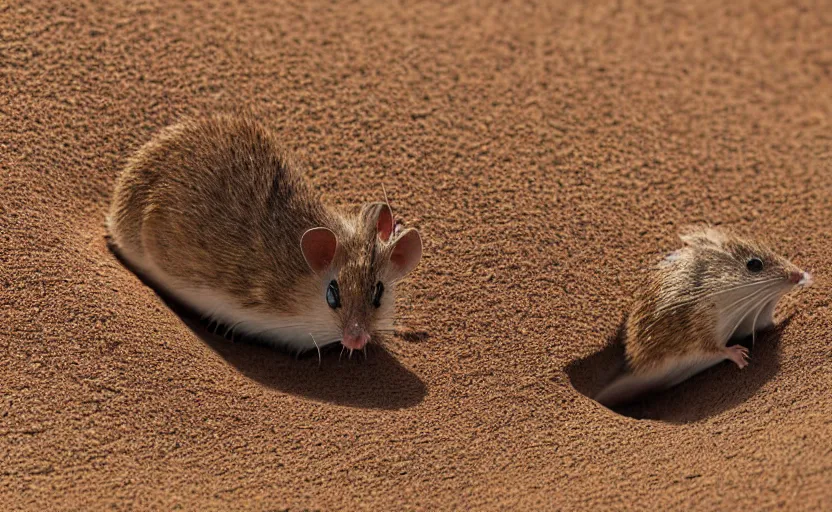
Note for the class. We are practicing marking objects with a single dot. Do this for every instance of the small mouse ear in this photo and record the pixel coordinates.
(318, 246)
(407, 251)
(385, 223)
(702, 236)
(382, 217)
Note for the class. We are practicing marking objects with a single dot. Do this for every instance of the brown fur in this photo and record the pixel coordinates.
(692, 304)
(676, 313)
(217, 203)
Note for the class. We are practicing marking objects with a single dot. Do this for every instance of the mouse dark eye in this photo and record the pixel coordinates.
(377, 294)
(754, 265)
(333, 295)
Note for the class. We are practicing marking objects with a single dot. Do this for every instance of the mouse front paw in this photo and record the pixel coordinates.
(738, 354)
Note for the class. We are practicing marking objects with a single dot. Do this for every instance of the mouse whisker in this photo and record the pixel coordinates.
(744, 312)
(231, 330)
(384, 191)
(738, 307)
(763, 305)
(704, 294)
(748, 297)
(669, 309)
(689, 299)
(754, 325)
(287, 326)
(317, 347)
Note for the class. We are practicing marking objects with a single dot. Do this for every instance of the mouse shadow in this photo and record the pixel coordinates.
(717, 389)
(371, 380)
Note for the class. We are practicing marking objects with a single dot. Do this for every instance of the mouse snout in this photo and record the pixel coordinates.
(800, 278)
(355, 338)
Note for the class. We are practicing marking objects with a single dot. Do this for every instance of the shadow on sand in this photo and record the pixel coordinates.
(378, 381)
(711, 392)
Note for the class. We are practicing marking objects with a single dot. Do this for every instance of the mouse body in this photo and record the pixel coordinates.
(217, 214)
(717, 288)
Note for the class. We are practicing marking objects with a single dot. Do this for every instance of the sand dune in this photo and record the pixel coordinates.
(548, 152)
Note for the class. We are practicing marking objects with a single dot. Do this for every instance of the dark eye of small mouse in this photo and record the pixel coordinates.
(333, 295)
(377, 294)
(755, 265)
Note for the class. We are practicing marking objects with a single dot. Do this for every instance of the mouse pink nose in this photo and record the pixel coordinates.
(797, 277)
(355, 340)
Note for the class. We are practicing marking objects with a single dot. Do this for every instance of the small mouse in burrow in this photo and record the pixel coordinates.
(719, 287)
(215, 213)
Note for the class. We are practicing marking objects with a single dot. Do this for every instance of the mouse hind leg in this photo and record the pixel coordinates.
(631, 386)
(692, 365)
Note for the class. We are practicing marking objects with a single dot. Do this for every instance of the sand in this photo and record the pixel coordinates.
(548, 152)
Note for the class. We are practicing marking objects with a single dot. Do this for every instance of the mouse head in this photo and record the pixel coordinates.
(357, 270)
(737, 272)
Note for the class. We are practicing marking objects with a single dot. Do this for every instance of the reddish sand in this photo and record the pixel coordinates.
(548, 153)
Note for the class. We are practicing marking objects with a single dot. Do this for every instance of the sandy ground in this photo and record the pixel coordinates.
(548, 152)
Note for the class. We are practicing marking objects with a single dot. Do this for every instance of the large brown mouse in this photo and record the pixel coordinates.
(718, 287)
(214, 212)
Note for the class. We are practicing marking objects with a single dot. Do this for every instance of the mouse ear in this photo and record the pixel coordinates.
(381, 215)
(385, 223)
(318, 246)
(407, 251)
(702, 236)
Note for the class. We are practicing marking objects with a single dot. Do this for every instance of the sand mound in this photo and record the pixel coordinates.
(546, 152)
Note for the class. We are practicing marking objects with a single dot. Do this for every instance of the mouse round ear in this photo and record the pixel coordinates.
(407, 251)
(380, 215)
(318, 246)
(702, 236)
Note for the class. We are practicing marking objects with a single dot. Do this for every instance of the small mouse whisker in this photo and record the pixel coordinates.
(387, 202)
(748, 297)
(745, 310)
(704, 294)
(696, 297)
(288, 326)
(754, 325)
(739, 307)
(231, 330)
(317, 347)
(762, 306)
(285, 326)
